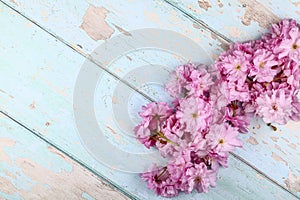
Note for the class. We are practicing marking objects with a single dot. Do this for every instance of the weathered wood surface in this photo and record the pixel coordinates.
(49, 83)
(33, 169)
(241, 20)
(238, 20)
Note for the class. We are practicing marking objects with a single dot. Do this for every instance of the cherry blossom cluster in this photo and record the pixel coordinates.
(264, 75)
(191, 133)
(212, 105)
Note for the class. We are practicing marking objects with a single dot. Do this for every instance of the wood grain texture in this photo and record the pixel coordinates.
(246, 20)
(52, 75)
(31, 169)
(239, 20)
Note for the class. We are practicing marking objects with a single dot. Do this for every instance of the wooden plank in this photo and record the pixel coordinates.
(50, 81)
(238, 20)
(32, 169)
(246, 20)
(73, 17)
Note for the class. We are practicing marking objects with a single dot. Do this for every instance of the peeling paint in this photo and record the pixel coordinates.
(220, 4)
(114, 100)
(259, 176)
(53, 150)
(86, 196)
(4, 142)
(32, 105)
(7, 187)
(197, 26)
(94, 24)
(153, 17)
(258, 126)
(235, 32)
(205, 4)
(224, 45)
(279, 148)
(8, 173)
(293, 146)
(296, 4)
(275, 139)
(111, 129)
(292, 125)
(74, 183)
(255, 11)
(122, 30)
(293, 182)
(252, 140)
(14, 2)
(286, 140)
(191, 7)
(278, 158)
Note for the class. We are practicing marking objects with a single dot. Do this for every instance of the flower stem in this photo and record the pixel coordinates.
(162, 173)
(160, 134)
(272, 126)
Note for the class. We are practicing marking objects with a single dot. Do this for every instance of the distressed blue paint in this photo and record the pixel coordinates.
(86, 196)
(226, 17)
(45, 86)
(14, 196)
(22, 182)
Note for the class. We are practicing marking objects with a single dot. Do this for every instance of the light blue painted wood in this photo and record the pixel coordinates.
(273, 151)
(280, 148)
(64, 18)
(31, 169)
(51, 91)
(239, 20)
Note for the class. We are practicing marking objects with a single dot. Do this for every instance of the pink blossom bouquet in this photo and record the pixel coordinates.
(212, 105)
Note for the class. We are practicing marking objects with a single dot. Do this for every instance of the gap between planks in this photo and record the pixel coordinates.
(199, 22)
(87, 56)
(229, 41)
(39, 135)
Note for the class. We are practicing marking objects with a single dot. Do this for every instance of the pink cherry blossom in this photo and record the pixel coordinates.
(234, 64)
(292, 72)
(263, 63)
(158, 179)
(290, 46)
(223, 138)
(237, 118)
(179, 79)
(213, 105)
(201, 82)
(196, 177)
(153, 116)
(233, 91)
(281, 30)
(195, 114)
(274, 106)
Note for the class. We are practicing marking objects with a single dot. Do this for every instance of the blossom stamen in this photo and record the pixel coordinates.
(295, 46)
(275, 107)
(197, 179)
(262, 64)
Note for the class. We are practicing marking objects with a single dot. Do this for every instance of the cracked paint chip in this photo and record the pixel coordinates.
(94, 24)
(252, 141)
(255, 11)
(293, 182)
(204, 4)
